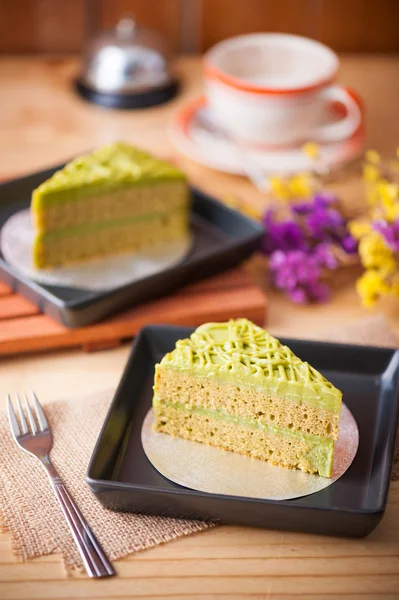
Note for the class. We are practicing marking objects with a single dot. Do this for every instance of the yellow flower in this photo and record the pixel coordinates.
(373, 157)
(231, 201)
(250, 211)
(359, 228)
(371, 173)
(279, 187)
(311, 149)
(380, 261)
(300, 185)
(372, 196)
(394, 166)
(375, 254)
(389, 197)
(370, 286)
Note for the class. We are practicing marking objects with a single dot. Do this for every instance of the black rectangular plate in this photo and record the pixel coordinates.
(222, 239)
(123, 479)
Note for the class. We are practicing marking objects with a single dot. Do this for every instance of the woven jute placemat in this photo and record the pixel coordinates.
(29, 510)
(28, 507)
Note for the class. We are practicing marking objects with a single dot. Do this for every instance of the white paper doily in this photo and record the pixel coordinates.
(209, 469)
(102, 274)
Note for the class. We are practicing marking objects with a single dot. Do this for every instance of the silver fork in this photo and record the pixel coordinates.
(37, 441)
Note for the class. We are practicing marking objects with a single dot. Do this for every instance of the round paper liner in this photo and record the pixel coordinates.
(101, 274)
(209, 469)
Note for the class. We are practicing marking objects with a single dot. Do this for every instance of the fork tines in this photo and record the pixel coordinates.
(32, 433)
(36, 424)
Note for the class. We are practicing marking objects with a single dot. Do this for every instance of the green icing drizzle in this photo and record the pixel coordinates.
(240, 352)
(108, 168)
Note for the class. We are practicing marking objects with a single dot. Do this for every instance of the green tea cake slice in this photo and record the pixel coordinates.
(234, 386)
(117, 199)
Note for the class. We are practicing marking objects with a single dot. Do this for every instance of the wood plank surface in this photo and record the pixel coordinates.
(43, 122)
(40, 108)
(35, 26)
(5, 290)
(13, 306)
(62, 26)
(163, 17)
(345, 25)
(231, 294)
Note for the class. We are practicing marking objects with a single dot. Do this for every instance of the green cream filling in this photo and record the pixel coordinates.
(297, 391)
(241, 353)
(221, 415)
(91, 227)
(107, 169)
(319, 454)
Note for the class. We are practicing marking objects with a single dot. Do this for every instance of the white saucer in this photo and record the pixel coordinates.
(193, 139)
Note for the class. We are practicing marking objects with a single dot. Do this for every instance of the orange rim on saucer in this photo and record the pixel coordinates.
(185, 115)
(338, 154)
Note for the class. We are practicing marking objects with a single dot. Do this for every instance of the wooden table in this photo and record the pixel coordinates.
(42, 122)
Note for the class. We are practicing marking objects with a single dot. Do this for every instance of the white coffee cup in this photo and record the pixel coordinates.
(274, 89)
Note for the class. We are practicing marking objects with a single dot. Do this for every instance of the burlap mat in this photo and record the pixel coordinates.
(28, 506)
(30, 512)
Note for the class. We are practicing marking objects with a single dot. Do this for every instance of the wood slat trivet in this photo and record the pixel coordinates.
(228, 295)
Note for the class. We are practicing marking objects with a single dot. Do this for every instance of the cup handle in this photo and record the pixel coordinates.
(343, 129)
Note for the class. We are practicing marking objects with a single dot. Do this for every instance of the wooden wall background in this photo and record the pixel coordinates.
(61, 26)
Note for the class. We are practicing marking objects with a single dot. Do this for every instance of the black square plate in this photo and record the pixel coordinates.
(222, 239)
(123, 479)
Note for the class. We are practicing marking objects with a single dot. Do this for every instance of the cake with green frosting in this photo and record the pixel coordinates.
(116, 199)
(234, 386)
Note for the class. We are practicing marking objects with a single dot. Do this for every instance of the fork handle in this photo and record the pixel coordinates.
(95, 561)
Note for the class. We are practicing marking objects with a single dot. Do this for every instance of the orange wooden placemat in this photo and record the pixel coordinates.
(228, 295)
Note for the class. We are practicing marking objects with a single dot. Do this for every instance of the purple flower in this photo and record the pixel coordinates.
(298, 295)
(390, 232)
(277, 259)
(324, 199)
(321, 200)
(286, 235)
(298, 273)
(318, 291)
(302, 208)
(320, 220)
(325, 257)
(284, 266)
(314, 292)
(349, 244)
(323, 222)
(301, 248)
